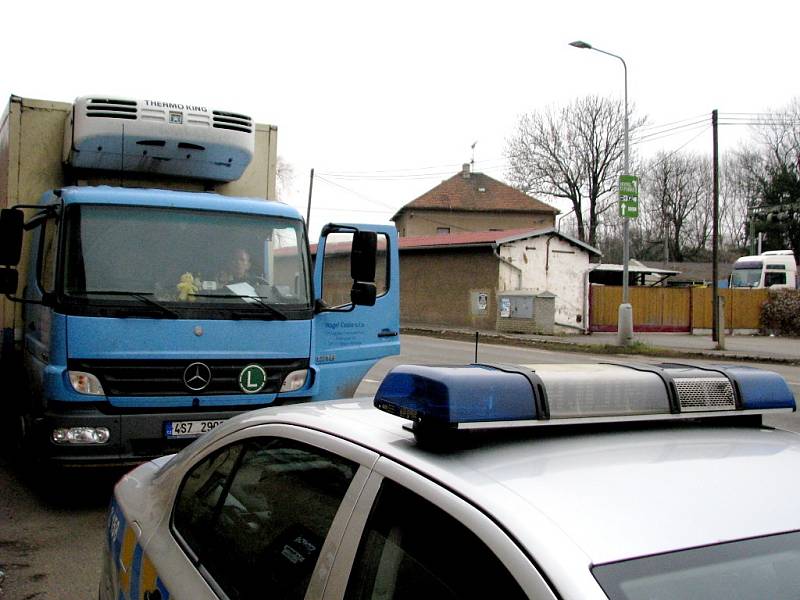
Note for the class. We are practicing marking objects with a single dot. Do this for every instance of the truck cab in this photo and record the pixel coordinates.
(771, 269)
(149, 316)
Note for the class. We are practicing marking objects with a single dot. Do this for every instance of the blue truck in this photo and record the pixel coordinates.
(152, 290)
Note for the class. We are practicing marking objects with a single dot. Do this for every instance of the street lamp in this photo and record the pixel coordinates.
(625, 318)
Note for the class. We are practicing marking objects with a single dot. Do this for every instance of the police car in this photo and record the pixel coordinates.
(478, 481)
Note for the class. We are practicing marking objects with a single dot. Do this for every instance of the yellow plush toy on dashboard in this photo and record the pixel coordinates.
(186, 288)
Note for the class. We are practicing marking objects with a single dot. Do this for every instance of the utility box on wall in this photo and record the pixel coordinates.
(478, 302)
(526, 312)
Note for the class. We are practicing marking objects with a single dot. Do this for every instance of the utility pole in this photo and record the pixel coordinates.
(308, 210)
(715, 334)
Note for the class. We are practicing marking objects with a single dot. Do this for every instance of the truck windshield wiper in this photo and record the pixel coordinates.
(255, 299)
(141, 296)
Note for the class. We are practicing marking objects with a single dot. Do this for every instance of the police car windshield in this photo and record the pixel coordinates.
(767, 567)
(184, 258)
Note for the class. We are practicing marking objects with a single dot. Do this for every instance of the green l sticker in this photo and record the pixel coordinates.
(252, 379)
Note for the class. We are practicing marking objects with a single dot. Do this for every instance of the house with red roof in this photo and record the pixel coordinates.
(486, 279)
(477, 253)
(470, 201)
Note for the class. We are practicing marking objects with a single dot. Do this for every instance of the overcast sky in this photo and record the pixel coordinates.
(384, 99)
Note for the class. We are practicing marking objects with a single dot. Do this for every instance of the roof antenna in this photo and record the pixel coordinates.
(472, 163)
(477, 335)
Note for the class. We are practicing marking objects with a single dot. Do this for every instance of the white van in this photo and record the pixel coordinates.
(771, 269)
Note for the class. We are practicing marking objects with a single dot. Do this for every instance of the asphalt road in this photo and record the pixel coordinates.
(51, 541)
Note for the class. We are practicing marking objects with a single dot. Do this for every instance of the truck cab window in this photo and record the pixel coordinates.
(774, 279)
(49, 255)
(336, 280)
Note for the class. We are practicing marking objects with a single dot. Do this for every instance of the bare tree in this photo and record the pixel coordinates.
(741, 182)
(779, 133)
(675, 191)
(777, 176)
(574, 152)
(285, 178)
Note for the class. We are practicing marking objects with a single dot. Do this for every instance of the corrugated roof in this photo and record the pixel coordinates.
(695, 271)
(478, 193)
(486, 238)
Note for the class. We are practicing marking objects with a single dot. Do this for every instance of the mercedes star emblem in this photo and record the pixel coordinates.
(197, 376)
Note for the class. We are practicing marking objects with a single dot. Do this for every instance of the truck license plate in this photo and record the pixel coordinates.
(179, 429)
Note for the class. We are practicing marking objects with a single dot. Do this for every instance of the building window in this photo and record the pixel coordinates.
(442, 230)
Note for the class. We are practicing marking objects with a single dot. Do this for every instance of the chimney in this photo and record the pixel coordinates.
(465, 170)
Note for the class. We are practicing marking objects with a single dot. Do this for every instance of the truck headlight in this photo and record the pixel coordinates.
(294, 380)
(85, 383)
(81, 435)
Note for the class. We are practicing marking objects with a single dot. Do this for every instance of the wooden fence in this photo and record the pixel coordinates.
(660, 309)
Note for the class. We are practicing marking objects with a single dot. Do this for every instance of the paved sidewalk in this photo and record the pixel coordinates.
(742, 347)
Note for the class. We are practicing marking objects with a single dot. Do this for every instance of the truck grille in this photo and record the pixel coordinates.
(166, 377)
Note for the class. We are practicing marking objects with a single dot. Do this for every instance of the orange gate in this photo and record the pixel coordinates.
(663, 309)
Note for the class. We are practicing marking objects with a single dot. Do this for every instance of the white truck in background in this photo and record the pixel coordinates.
(772, 269)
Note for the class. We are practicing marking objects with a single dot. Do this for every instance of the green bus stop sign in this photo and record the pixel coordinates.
(628, 196)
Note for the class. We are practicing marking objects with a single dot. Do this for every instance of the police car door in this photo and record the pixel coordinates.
(357, 318)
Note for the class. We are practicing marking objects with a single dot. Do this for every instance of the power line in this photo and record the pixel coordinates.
(644, 134)
(352, 210)
(399, 170)
(368, 177)
(679, 148)
(672, 131)
(657, 126)
(355, 193)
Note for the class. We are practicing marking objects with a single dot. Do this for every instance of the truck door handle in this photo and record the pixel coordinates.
(387, 333)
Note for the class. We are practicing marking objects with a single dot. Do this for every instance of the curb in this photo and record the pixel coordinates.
(641, 349)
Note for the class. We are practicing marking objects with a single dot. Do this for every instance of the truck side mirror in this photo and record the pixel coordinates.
(363, 256)
(12, 221)
(9, 279)
(363, 293)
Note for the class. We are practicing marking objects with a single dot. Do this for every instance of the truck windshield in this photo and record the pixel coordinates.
(179, 258)
(746, 277)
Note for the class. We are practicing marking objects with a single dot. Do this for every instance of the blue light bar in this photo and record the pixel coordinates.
(474, 396)
(451, 395)
(759, 389)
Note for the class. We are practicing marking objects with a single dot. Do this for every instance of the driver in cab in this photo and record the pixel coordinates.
(240, 279)
(238, 269)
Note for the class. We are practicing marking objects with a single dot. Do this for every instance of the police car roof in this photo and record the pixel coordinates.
(596, 494)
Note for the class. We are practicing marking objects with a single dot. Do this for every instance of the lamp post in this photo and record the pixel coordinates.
(625, 317)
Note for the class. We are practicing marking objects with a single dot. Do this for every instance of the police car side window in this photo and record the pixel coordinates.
(256, 515)
(413, 549)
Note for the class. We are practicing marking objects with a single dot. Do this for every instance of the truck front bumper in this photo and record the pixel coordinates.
(134, 437)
